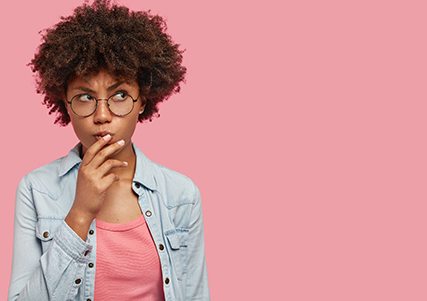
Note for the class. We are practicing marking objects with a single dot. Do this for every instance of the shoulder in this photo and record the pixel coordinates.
(176, 184)
(176, 187)
(50, 178)
(44, 179)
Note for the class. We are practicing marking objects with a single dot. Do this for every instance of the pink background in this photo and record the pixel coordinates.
(303, 123)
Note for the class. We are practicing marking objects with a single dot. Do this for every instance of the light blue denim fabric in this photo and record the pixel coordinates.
(49, 261)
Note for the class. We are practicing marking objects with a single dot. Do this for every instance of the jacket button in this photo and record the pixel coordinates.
(137, 185)
(148, 213)
(91, 265)
(167, 280)
(78, 281)
(88, 299)
(45, 234)
(161, 247)
(91, 231)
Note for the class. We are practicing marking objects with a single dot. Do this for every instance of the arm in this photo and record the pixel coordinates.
(197, 282)
(43, 276)
(58, 273)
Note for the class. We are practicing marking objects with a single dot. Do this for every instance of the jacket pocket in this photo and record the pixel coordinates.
(45, 231)
(177, 246)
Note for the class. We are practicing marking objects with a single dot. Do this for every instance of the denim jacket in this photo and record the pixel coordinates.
(51, 262)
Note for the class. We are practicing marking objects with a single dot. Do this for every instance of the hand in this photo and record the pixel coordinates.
(93, 179)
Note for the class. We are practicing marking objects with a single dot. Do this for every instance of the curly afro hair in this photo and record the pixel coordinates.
(130, 45)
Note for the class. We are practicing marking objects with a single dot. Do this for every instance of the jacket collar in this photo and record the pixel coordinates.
(69, 161)
(144, 170)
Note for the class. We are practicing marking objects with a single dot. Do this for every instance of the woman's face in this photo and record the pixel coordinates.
(103, 121)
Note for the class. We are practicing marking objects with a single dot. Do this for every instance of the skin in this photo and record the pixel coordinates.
(103, 189)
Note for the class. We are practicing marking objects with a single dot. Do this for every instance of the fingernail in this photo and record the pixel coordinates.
(106, 137)
(125, 163)
(121, 142)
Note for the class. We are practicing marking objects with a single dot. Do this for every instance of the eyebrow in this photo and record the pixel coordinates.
(112, 87)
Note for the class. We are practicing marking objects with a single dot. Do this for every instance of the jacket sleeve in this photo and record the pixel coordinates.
(52, 275)
(197, 284)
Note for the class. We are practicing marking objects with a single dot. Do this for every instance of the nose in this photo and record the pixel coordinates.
(102, 113)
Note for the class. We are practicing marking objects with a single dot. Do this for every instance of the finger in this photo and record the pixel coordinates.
(109, 179)
(95, 148)
(103, 154)
(108, 165)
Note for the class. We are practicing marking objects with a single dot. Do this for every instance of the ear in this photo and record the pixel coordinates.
(142, 107)
(67, 105)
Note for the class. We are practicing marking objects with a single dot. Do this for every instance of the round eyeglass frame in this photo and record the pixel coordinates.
(108, 104)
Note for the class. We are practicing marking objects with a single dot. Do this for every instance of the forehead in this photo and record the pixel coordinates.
(102, 77)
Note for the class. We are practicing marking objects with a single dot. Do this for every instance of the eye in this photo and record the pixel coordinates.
(120, 96)
(84, 97)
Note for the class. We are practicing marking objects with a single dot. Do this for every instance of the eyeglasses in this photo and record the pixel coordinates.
(120, 104)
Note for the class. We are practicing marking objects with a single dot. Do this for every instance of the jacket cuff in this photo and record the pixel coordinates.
(71, 243)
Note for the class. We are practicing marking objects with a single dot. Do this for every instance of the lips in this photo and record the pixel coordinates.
(101, 134)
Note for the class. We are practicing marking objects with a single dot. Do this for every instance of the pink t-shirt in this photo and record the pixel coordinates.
(127, 263)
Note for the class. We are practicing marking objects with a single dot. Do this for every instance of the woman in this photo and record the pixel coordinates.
(105, 222)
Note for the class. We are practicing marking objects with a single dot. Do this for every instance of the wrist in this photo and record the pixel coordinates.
(79, 221)
(79, 216)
